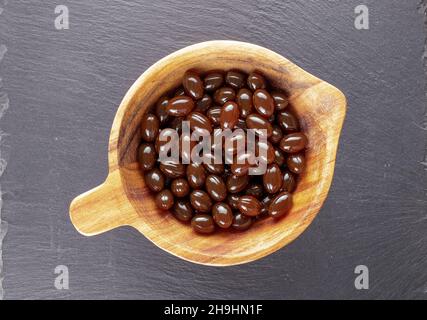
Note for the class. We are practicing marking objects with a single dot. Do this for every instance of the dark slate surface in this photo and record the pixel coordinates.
(64, 89)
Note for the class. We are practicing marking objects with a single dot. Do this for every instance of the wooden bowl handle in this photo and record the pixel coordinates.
(103, 208)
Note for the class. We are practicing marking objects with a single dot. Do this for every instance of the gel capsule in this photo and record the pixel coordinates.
(180, 106)
(182, 210)
(272, 179)
(256, 81)
(147, 156)
(214, 115)
(155, 180)
(149, 127)
(222, 215)
(280, 205)
(161, 111)
(293, 142)
(213, 81)
(263, 103)
(296, 163)
(241, 222)
(216, 187)
(244, 101)
(237, 183)
(258, 123)
(172, 169)
(223, 95)
(203, 223)
(198, 121)
(287, 121)
(280, 101)
(193, 85)
(229, 115)
(235, 79)
(196, 175)
(164, 199)
(200, 201)
(289, 181)
(180, 187)
(249, 206)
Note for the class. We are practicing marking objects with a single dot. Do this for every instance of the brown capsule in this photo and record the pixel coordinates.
(272, 179)
(288, 181)
(259, 124)
(233, 200)
(193, 85)
(161, 111)
(280, 205)
(214, 114)
(255, 189)
(182, 210)
(180, 187)
(211, 166)
(172, 169)
(180, 106)
(244, 101)
(296, 163)
(203, 223)
(223, 95)
(280, 101)
(203, 104)
(287, 121)
(155, 180)
(293, 142)
(196, 175)
(263, 103)
(216, 188)
(222, 215)
(147, 156)
(249, 206)
(235, 79)
(198, 121)
(237, 183)
(229, 115)
(279, 157)
(149, 127)
(276, 135)
(265, 151)
(179, 92)
(213, 81)
(164, 199)
(256, 81)
(241, 222)
(200, 201)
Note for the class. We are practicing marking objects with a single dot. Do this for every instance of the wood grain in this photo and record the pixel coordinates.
(126, 201)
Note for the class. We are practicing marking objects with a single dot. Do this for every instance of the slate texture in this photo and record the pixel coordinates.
(64, 87)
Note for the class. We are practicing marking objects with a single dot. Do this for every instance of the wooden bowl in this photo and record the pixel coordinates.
(124, 200)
